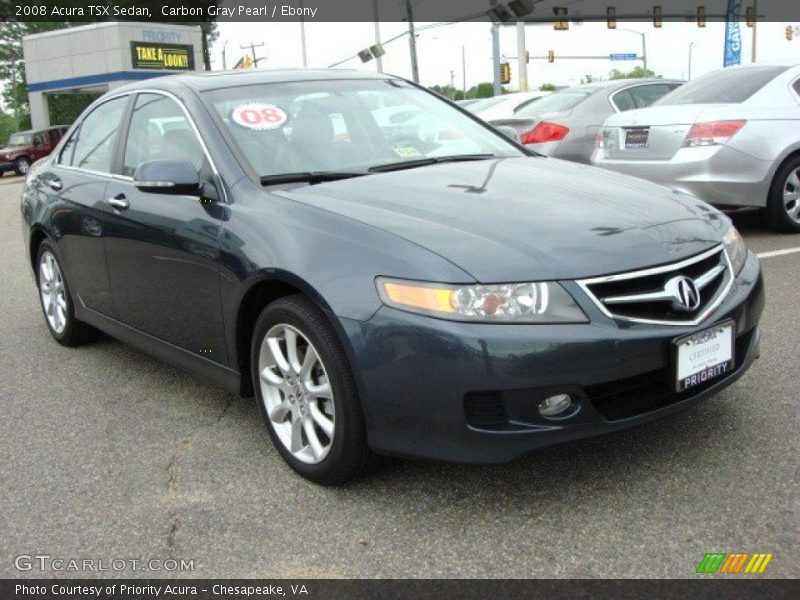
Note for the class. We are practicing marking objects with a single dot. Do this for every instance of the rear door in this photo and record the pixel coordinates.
(163, 250)
(76, 183)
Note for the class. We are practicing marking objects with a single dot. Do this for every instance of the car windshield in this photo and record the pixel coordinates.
(348, 126)
(555, 102)
(19, 139)
(727, 86)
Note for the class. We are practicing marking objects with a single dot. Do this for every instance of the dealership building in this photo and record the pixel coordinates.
(99, 57)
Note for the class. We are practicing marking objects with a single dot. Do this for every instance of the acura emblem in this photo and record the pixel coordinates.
(684, 292)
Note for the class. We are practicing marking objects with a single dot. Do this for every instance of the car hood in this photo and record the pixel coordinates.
(11, 149)
(526, 218)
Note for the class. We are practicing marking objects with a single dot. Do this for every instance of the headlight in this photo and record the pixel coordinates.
(542, 302)
(736, 249)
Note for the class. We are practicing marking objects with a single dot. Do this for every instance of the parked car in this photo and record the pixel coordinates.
(566, 123)
(26, 147)
(505, 106)
(378, 297)
(730, 137)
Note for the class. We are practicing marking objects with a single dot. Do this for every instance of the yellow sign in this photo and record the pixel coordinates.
(173, 57)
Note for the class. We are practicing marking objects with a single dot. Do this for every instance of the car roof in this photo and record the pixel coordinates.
(203, 81)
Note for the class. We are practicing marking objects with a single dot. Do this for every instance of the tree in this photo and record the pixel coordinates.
(638, 72)
(547, 87)
(7, 127)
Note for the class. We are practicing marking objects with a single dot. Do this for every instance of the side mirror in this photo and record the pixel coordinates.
(509, 132)
(175, 177)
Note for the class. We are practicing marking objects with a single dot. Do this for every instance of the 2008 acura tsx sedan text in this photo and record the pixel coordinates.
(424, 288)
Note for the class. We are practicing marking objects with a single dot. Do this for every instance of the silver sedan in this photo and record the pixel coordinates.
(731, 138)
(566, 123)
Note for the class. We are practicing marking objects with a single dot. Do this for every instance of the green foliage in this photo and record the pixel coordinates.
(638, 72)
(547, 87)
(65, 108)
(7, 127)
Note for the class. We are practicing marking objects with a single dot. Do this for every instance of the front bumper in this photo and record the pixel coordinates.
(428, 385)
(719, 175)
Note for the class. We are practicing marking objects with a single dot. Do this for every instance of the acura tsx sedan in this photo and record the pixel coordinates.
(432, 290)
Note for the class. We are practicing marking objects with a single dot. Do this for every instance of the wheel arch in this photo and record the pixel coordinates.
(37, 236)
(265, 288)
(790, 154)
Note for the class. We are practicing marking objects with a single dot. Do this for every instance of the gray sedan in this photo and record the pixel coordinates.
(566, 123)
(731, 138)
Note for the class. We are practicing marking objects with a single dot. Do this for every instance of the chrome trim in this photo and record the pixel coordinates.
(721, 295)
(699, 282)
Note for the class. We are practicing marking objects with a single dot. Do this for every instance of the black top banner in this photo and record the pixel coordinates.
(502, 11)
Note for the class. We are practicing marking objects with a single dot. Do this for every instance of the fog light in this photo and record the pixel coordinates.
(556, 406)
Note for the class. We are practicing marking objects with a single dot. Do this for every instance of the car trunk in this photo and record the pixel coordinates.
(525, 124)
(654, 133)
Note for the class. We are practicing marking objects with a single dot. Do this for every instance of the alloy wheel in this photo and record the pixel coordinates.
(791, 195)
(52, 292)
(23, 166)
(297, 394)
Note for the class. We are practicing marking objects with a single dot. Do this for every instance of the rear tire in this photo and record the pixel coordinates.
(307, 394)
(56, 300)
(782, 212)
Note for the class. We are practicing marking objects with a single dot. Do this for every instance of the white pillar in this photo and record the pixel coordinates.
(40, 111)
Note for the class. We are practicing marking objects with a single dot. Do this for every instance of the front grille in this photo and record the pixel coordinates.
(651, 391)
(648, 296)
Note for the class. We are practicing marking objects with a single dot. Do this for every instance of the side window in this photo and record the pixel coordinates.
(624, 101)
(796, 86)
(94, 148)
(645, 95)
(54, 135)
(159, 130)
(38, 139)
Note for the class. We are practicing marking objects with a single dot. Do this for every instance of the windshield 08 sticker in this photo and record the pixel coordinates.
(260, 116)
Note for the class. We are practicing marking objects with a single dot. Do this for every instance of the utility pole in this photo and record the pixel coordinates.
(303, 35)
(496, 58)
(644, 52)
(412, 42)
(690, 61)
(378, 59)
(523, 64)
(464, 71)
(755, 24)
(252, 46)
(224, 61)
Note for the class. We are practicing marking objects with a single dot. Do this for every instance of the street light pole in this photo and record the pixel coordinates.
(690, 60)
(224, 61)
(464, 71)
(412, 42)
(522, 63)
(644, 45)
(378, 59)
(303, 35)
(496, 58)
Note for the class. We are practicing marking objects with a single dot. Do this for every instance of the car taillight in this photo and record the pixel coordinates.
(600, 140)
(712, 133)
(544, 132)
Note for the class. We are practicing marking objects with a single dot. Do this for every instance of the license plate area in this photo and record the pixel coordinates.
(704, 356)
(636, 138)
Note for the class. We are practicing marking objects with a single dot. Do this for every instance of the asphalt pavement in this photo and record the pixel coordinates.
(107, 453)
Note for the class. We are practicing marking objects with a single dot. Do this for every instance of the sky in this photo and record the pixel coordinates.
(439, 48)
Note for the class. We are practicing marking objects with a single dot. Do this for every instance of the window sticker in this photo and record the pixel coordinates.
(407, 151)
(260, 116)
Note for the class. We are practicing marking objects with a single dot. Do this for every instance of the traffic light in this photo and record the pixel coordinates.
(521, 8)
(551, 56)
(701, 16)
(247, 62)
(611, 17)
(561, 14)
(499, 13)
(789, 32)
(505, 73)
(750, 13)
(656, 16)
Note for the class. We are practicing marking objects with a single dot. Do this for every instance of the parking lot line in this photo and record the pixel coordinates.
(778, 252)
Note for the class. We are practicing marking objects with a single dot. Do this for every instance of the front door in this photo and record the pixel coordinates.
(163, 250)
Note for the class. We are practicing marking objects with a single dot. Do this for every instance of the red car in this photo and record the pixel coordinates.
(26, 147)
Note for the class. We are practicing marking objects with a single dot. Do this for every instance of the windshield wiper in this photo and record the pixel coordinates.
(422, 162)
(310, 177)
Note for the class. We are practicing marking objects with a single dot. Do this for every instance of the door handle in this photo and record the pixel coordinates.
(55, 184)
(119, 202)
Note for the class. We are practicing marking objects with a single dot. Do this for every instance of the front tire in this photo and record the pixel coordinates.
(22, 165)
(56, 302)
(307, 394)
(783, 204)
